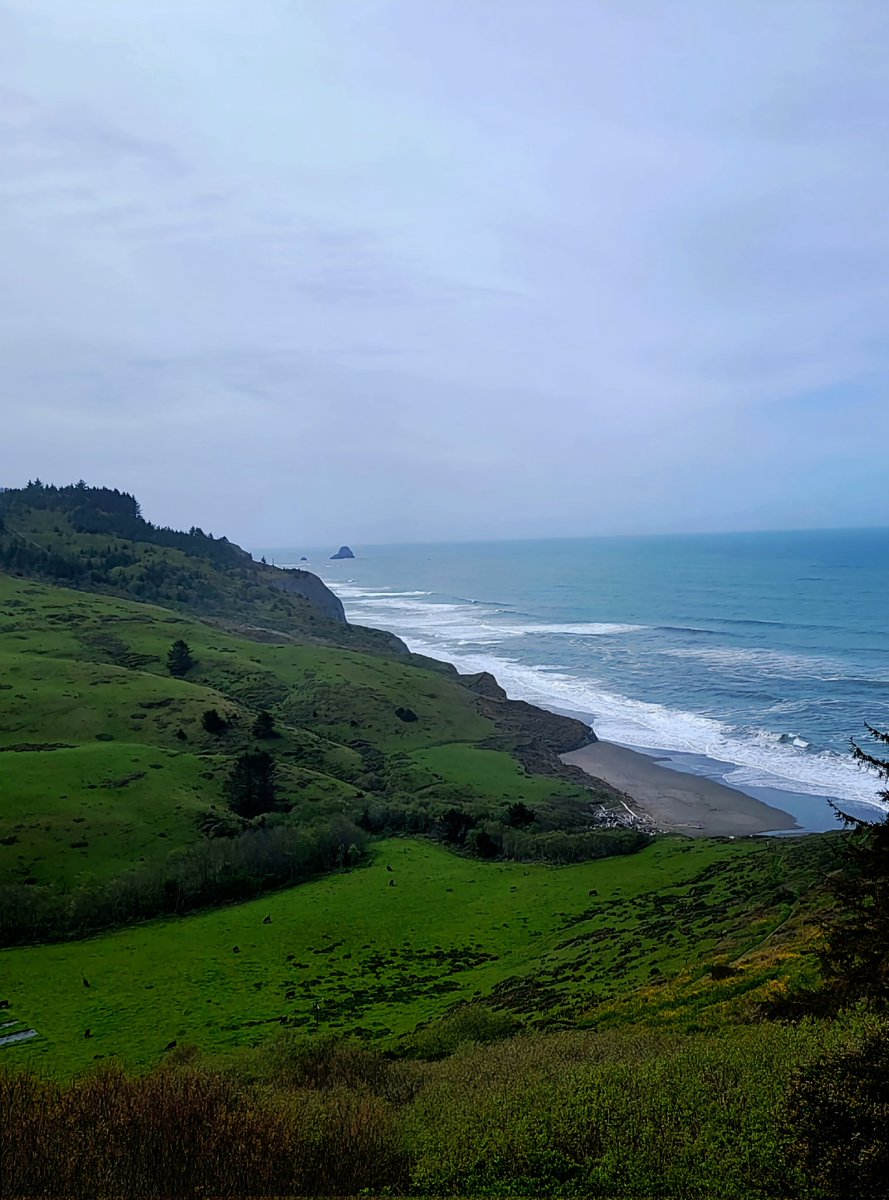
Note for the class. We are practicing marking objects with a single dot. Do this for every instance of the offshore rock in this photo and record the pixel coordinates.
(343, 552)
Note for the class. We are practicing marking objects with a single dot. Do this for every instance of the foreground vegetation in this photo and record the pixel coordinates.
(727, 1114)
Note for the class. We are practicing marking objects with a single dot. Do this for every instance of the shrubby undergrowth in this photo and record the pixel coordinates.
(837, 1116)
(470, 829)
(623, 1114)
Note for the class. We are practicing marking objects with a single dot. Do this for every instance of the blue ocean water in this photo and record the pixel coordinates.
(751, 658)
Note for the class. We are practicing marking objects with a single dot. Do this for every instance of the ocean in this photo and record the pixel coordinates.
(750, 658)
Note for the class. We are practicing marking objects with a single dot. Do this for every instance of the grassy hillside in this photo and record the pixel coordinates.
(91, 812)
(97, 539)
(384, 948)
(104, 762)
(481, 772)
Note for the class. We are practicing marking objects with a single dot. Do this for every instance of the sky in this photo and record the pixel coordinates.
(301, 271)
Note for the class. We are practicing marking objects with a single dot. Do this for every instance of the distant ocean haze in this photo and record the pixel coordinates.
(752, 658)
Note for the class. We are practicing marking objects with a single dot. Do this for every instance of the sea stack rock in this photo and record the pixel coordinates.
(343, 552)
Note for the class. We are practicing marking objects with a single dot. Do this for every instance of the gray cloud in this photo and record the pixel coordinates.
(373, 269)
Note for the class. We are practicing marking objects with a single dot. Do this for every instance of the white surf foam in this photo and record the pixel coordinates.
(359, 594)
(462, 622)
(585, 628)
(760, 759)
(459, 634)
(774, 662)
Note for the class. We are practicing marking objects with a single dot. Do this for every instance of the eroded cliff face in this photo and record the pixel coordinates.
(484, 684)
(534, 735)
(296, 582)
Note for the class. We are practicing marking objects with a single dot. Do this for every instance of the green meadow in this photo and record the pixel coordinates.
(377, 952)
(488, 772)
(91, 812)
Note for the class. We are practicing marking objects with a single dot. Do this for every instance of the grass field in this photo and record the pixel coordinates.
(379, 951)
(490, 772)
(97, 810)
(336, 692)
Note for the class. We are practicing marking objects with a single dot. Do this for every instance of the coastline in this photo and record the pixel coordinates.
(681, 790)
(722, 681)
(676, 801)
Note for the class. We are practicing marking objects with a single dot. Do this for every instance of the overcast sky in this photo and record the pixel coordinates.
(303, 271)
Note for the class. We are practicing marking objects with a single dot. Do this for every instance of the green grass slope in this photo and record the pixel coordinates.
(481, 772)
(104, 762)
(379, 950)
(91, 812)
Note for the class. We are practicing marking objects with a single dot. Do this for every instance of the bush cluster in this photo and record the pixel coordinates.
(187, 1132)
(621, 1114)
(213, 871)
(837, 1117)
(484, 837)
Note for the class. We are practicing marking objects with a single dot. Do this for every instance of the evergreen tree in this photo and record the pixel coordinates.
(179, 658)
(264, 725)
(251, 787)
(855, 954)
(455, 824)
(213, 722)
(520, 816)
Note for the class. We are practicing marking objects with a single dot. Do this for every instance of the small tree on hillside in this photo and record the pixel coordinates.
(264, 725)
(213, 722)
(251, 787)
(179, 658)
(455, 824)
(520, 816)
(855, 954)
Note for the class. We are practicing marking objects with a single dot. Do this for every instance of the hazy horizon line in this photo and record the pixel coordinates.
(592, 537)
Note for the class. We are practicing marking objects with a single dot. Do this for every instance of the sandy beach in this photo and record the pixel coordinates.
(674, 800)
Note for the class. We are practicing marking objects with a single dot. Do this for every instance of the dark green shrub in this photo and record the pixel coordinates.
(213, 722)
(520, 816)
(264, 725)
(472, 1024)
(837, 1116)
(297, 1060)
(252, 788)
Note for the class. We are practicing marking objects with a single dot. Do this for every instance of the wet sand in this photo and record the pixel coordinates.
(674, 800)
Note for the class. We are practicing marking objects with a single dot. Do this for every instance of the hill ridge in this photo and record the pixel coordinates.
(97, 539)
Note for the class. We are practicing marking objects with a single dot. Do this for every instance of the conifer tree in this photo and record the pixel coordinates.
(251, 787)
(179, 658)
(213, 722)
(264, 725)
(855, 954)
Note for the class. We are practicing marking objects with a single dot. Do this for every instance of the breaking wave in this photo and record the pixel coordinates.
(470, 635)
